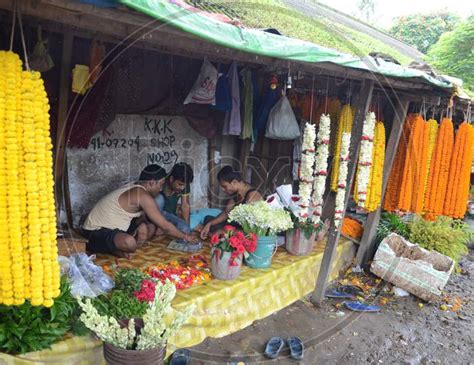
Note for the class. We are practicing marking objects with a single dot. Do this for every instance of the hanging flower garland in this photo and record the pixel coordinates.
(419, 144)
(459, 173)
(374, 189)
(342, 179)
(345, 126)
(439, 173)
(306, 172)
(364, 165)
(432, 135)
(321, 167)
(29, 267)
(396, 174)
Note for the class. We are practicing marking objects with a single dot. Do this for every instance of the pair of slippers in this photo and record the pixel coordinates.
(350, 292)
(275, 345)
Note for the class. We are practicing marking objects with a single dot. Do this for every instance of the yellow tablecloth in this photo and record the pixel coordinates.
(223, 307)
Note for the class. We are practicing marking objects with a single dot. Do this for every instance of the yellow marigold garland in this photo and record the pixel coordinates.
(29, 267)
(374, 190)
(344, 126)
(457, 190)
(438, 177)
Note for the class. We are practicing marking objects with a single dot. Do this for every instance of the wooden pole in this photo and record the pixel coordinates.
(362, 106)
(367, 242)
(64, 87)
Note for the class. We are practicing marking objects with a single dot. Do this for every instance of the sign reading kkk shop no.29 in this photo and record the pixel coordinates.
(117, 154)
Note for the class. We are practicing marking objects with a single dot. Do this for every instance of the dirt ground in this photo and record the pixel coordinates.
(404, 332)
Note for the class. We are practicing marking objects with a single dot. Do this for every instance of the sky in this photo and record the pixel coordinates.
(386, 10)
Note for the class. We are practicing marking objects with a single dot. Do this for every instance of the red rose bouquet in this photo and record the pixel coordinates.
(233, 241)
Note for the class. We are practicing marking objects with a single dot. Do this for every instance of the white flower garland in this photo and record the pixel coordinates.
(342, 181)
(365, 158)
(306, 172)
(321, 167)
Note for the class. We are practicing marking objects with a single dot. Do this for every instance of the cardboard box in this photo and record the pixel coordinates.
(420, 272)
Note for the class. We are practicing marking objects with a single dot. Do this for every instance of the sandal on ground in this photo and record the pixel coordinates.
(273, 347)
(361, 307)
(296, 348)
(180, 357)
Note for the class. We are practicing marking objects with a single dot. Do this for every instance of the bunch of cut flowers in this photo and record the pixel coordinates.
(233, 241)
(261, 218)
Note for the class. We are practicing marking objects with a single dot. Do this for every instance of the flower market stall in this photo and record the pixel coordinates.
(329, 146)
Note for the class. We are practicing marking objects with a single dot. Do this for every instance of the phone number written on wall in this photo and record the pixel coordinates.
(159, 157)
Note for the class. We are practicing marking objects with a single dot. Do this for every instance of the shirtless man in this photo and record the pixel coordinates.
(125, 218)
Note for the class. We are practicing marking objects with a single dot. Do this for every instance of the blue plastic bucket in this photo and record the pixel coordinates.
(262, 257)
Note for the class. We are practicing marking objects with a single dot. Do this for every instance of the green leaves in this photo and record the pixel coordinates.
(445, 235)
(26, 328)
(423, 30)
(454, 53)
(129, 279)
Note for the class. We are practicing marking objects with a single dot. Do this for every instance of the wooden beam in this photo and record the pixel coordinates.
(64, 87)
(362, 106)
(367, 243)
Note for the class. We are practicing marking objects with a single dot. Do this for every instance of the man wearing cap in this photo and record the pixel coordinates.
(118, 223)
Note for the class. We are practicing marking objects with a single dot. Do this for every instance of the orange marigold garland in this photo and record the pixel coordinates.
(438, 177)
(433, 134)
(420, 151)
(390, 203)
(457, 190)
(411, 164)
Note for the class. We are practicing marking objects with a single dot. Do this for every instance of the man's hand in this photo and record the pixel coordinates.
(191, 238)
(205, 231)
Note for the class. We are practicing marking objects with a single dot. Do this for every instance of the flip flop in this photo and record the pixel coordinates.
(180, 357)
(296, 348)
(273, 347)
(361, 307)
(334, 293)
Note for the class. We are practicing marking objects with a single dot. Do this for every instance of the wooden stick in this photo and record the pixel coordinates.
(367, 242)
(64, 86)
(362, 106)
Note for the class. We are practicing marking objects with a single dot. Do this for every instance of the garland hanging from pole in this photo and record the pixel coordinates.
(342, 179)
(321, 167)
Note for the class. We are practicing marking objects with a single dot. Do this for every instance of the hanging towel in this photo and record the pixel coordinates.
(247, 95)
(232, 123)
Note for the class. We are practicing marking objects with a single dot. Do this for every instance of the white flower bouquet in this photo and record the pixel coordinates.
(261, 219)
(155, 331)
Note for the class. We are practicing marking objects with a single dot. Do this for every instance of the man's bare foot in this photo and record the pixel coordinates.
(122, 254)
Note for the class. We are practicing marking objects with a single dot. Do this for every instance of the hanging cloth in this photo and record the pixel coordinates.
(223, 94)
(232, 122)
(247, 96)
(40, 59)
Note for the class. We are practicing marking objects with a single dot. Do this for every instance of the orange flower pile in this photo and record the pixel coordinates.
(459, 172)
(439, 171)
(392, 194)
(352, 228)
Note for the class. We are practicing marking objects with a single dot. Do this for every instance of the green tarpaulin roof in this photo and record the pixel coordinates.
(266, 44)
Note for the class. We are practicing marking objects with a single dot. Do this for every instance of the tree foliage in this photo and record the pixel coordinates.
(453, 54)
(367, 9)
(423, 30)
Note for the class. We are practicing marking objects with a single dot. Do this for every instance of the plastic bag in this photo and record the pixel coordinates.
(40, 60)
(282, 123)
(204, 88)
(86, 278)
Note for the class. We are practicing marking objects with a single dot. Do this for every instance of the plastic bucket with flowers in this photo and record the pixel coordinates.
(266, 221)
(228, 249)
